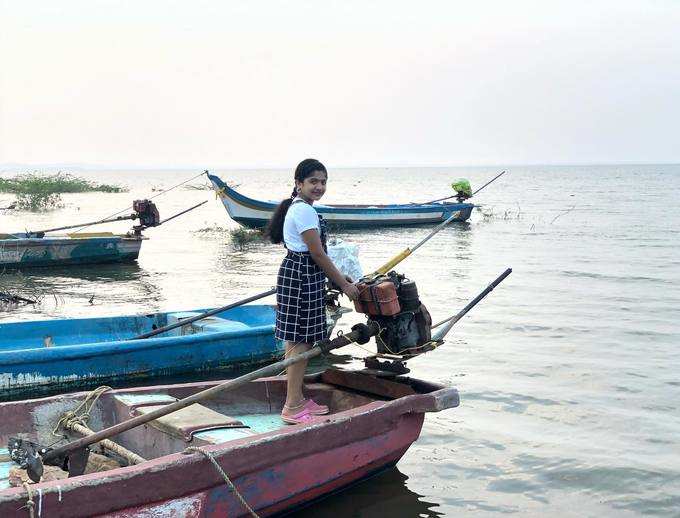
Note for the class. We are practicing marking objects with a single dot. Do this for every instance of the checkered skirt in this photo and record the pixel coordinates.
(300, 310)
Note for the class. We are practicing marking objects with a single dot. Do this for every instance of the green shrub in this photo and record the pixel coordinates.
(38, 193)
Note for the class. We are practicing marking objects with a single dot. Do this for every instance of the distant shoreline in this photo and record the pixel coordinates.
(11, 167)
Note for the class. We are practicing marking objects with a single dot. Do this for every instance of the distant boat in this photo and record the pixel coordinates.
(273, 467)
(255, 213)
(27, 251)
(74, 352)
(32, 249)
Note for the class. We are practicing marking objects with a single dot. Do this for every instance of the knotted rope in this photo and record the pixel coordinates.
(80, 414)
(77, 418)
(230, 484)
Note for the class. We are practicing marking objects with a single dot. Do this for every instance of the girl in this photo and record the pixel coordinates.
(300, 311)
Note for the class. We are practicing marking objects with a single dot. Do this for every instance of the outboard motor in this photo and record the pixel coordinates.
(147, 214)
(392, 301)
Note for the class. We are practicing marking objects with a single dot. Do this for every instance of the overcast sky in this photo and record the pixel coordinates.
(254, 83)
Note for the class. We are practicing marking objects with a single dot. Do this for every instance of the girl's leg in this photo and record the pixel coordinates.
(295, 373)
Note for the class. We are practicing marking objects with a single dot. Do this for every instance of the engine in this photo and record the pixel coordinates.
(392, 301)
(146, 213)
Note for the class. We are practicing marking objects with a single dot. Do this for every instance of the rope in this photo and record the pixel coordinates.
(72, 417)
(229, 483)
(73, 420)
(30, 504)
(151, 198)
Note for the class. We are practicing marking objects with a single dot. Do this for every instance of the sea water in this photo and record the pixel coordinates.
(568, 372)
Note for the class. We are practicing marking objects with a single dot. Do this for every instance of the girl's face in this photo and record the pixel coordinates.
(313, 187)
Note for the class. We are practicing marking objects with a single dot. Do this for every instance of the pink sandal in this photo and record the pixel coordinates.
(314, 408)
(308, 411)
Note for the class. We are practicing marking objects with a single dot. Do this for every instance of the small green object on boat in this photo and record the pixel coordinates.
(462, 186)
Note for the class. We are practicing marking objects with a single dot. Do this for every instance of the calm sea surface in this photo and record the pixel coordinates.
(569, 372)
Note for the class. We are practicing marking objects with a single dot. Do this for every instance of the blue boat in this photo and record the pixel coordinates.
(255, 213)
(55, 355)
(27, 251)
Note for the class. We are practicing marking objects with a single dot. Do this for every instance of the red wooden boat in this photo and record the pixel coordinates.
(275, 467)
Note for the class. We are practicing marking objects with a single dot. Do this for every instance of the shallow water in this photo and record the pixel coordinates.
(568, 371)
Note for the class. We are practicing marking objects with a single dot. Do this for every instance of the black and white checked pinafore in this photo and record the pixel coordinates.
(300, 309)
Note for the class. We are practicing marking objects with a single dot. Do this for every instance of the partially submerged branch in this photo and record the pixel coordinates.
(241, 237)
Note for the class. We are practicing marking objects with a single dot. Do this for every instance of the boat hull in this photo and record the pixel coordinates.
(58, 355)
(275, 471)
(256, 214)
(62, 251)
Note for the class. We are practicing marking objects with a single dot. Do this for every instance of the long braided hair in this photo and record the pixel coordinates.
(304, 169)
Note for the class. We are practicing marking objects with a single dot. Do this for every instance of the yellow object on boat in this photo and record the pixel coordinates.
(393, 262)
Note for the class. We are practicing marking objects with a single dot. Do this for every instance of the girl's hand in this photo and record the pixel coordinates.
(351, 291)
(349, 279)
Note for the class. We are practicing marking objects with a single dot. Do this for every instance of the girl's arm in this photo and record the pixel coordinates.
(313, 242)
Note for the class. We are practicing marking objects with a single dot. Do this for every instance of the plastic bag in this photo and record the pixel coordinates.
(345, 257)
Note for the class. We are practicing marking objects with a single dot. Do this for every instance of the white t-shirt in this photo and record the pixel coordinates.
(301, 216)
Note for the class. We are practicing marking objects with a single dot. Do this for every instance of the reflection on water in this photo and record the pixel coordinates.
(75, 291)
(385, 494)
(87, 272)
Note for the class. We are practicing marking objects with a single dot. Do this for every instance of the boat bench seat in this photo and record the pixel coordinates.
(185, 423)
(206, 325)
(193, 422)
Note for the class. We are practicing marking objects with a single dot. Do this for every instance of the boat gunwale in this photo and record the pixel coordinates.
(66, 240)
(98, 349)
(91, 349)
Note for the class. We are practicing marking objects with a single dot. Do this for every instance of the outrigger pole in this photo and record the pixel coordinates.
(41, 233)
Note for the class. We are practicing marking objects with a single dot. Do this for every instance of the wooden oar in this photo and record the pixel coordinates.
(41, 233)
(361, 333)
(408, 251)
(203, 315)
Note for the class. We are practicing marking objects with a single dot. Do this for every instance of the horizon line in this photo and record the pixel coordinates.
(129, 167)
